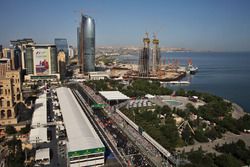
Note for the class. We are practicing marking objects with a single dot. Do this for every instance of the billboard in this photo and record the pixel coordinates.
(41, 57)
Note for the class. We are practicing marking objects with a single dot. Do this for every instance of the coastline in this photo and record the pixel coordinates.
(238, 111)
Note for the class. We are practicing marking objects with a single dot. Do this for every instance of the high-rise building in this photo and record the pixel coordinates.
(1, 51)
(144, 58)
(71, 52)
(61, 64)
(155, 55)
(62, 45)
(21, 44)
(41, 62)
(10, 93)
(87, 44)
(7, 53)
(17, 58)
(5, 66)
(78, 45)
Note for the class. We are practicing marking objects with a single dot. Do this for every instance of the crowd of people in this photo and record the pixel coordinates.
(123, 144)
(118, 135)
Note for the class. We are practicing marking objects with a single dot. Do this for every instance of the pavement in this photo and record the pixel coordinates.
(209, 147)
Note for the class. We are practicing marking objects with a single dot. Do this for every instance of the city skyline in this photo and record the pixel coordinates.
(201, 26)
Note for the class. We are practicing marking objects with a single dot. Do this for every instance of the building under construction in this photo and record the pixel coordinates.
(156, 56)
(147, 68)
(143, 67)
(150, 67)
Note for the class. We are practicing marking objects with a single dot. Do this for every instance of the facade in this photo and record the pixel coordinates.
(17, 60)
(21, 44)
(5, 66)
(62, 45)
(87, 44)
(7, 53)
(10, 93)
(1, 51)
(71, 52)
(41, 62)
(78, 46)
(61, 64)
(98, 75)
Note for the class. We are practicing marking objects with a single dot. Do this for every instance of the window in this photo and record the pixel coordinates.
(18, 97)
(1, 102)
(9, 114)
(2, 114)
(8, 103)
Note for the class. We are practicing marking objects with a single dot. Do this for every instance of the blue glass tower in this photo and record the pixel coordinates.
(87, 44)
(17, 58)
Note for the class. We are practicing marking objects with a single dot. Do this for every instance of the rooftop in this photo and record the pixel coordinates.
(42, 154)
(113, 95)
(39, 117)
(38, 135)
(81, 134)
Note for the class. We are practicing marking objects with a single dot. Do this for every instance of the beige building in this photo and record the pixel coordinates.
(10, 94)
(61, 58)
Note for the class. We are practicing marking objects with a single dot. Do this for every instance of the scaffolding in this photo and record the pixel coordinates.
(156, 56)
(144, 58)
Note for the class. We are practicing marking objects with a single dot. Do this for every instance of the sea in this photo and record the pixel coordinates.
(225, 74)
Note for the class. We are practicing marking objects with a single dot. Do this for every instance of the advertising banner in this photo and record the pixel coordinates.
(41, 57)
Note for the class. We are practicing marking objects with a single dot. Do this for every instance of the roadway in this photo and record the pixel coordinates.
(99, 129)
(143, 149)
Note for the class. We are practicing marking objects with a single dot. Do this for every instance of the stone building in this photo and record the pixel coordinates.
(10, 94)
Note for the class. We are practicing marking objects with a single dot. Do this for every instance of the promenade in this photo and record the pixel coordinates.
(209, 147)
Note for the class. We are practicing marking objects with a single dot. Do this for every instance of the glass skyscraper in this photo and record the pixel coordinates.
(62, 45)
(53, 59)
(78, 44)
(29, 60)
(17, 58)
(87, 44)
(1, 51)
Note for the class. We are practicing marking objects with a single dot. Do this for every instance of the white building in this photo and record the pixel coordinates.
(39, 118)
(98, 75)
(84, 147)
(42, 157)
(38, 135)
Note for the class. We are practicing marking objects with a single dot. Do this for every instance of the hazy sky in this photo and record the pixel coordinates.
(215, 25)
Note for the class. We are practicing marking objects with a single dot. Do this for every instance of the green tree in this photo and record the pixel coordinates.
(180, 92)
(227, 160)
(187, 136)
(10, 129)
(25, 130)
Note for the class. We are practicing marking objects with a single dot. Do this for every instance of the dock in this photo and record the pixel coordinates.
(175, 83)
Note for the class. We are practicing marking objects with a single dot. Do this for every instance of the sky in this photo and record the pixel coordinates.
(201, 25)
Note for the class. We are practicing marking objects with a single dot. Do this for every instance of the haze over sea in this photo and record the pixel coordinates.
(223, 74)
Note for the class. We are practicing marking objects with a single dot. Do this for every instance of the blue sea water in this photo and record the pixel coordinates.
(223, 74)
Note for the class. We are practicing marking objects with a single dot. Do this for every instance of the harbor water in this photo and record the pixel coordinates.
(223, 74)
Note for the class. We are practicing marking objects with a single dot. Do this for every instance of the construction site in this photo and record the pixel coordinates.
(150, 66)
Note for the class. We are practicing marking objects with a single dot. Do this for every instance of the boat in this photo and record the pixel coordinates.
(190, 69)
